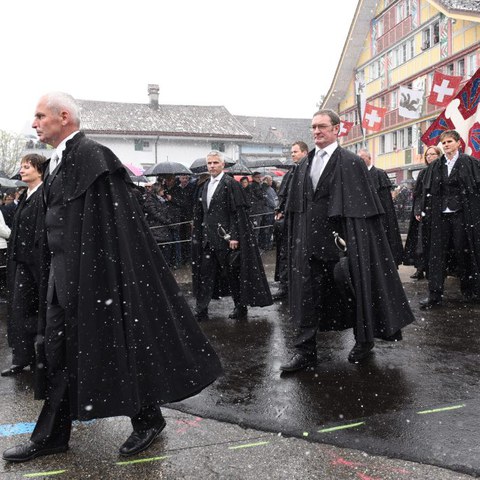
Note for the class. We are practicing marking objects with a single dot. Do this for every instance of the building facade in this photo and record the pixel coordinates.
(402, 44)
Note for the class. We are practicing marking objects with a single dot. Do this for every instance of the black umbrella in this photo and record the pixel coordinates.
(167, 168)
(262, 162)
(239, 169)
(200, 164)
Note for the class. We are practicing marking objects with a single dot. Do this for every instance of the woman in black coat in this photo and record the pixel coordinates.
(159, 214)
(417, 241)
(24, 266)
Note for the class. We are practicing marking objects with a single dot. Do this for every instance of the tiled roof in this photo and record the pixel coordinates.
(461, 5)
(277, 131)
(167, 120)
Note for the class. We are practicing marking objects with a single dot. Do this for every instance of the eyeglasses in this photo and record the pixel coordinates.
(321, 127)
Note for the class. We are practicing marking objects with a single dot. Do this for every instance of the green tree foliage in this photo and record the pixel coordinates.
(11, 149)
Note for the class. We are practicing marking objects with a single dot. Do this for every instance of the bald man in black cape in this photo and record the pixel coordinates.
(331, 191)
(116, 336)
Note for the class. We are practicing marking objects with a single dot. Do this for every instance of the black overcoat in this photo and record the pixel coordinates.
(228, 208)
(467, 169)
(24, 246)
(417, 242)
(383, 186)
(131, 338)
(381, 307)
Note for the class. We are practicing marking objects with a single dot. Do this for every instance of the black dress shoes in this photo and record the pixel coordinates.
(139, 441)
(280, 294)
(430, 302)
(299, 362)
(360, 351)
(396, 337)
(418, 275)
(29, 451)
(14, 370)
(239, 312)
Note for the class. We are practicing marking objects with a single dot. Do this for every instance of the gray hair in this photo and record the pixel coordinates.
(215, 153)
(58, 101)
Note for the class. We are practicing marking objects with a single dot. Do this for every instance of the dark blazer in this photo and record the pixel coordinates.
(220, 212)
(53, 195)
(319, 223)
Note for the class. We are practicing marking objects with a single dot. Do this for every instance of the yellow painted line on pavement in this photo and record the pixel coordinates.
(248, 445)
(341, 427)
(44, 474)
(143, 460)
(443, 409)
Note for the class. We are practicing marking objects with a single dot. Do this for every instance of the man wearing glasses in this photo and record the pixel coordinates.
(331, 192)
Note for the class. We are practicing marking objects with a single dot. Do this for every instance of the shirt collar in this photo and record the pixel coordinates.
(63, 144)
(218, 177)
(329, 149)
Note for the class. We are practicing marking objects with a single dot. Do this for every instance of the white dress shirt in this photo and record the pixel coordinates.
(212, 186)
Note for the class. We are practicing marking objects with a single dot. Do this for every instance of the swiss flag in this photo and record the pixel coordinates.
(444, 88)
(372, 118)
(345, 127)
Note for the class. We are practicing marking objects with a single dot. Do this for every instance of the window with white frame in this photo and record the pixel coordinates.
(472, 64)
(431, 35)
(461, 67)
(393, 100)
(141, 145)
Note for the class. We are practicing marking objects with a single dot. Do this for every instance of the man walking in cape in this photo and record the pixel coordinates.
(225, 255)
(331, 191)
(117, 336)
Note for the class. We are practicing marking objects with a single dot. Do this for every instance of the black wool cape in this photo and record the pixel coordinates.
(255, 291)
(380, 307)
(131, 338)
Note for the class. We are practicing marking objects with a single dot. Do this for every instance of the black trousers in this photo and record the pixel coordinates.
(24, 316)
(453, 242)
(54, 424)
(212, 271)
(320, 287)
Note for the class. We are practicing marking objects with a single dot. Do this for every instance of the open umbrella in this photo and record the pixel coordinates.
(262, 162)
(7, 183)
(239, 169)
(135, 173)
(167, 168)
(200, 164)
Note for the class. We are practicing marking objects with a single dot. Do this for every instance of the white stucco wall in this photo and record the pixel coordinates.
(171, 149)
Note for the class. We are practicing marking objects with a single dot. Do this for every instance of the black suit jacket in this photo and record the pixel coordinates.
(221, 213)
(319, 223)
(53, 195)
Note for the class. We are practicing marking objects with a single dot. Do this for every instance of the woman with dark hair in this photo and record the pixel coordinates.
(417, 242)
(24, 266)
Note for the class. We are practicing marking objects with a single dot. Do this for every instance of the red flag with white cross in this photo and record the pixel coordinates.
(372, 118)
(444, 88)
(345, 127)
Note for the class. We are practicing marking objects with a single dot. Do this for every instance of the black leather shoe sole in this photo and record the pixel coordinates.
(14, 370)
(18, 454)
(237, 313)
(144, 444)
(428, 305)
(360, 352)
(301, 364)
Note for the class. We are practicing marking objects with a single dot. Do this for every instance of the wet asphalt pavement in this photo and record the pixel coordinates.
(415, 401)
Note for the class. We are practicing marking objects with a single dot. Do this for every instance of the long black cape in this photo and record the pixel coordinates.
(253, 281)
(131, 339)
(469, 176)
(383, 186)
(381, 307)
